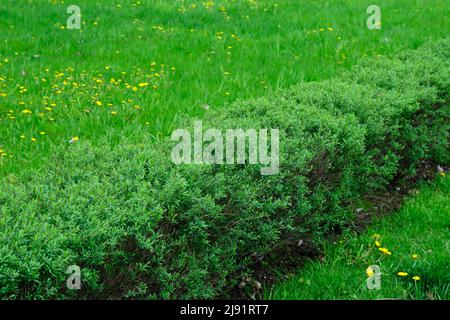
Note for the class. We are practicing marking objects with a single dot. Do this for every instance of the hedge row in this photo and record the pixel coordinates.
(139, 226)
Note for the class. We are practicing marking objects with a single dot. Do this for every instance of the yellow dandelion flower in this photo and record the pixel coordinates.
(415, 256)
(416, 278)
(74, 139)
(26, 111)
(114, 113)
(385, 251)
(378, 243)
(99, 103)
(369, 272)
(402, 274)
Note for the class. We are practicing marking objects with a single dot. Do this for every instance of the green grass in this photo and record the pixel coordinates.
(190, 53)
(421, 228)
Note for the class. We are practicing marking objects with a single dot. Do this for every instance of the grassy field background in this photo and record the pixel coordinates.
(135, 66)
(418, 246)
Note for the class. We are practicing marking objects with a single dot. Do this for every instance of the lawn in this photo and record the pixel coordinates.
(135, 66)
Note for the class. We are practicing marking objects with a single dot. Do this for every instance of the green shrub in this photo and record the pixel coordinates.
(141, 227)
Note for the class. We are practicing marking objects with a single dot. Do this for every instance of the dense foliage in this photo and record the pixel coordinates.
(141, 227)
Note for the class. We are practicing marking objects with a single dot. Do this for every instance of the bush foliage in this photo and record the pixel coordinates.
(141, 227)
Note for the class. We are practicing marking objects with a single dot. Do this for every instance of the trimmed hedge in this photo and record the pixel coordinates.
(142, 227)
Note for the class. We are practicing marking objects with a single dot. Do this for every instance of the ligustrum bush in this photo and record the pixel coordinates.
(139, 226)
